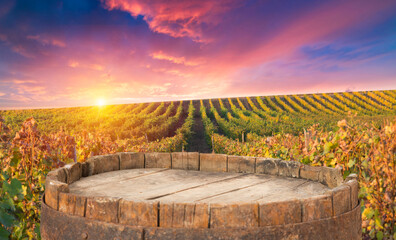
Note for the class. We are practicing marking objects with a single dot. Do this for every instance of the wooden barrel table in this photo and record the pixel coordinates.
(198, 196)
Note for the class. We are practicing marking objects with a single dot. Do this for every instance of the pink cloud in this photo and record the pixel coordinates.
(19, 98)
(6, 7)
(35, 90)
(176, 18)
(29, 87)
(21, 50)
(3, 37)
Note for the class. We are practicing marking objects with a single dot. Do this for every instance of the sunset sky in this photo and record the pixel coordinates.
(57, 53)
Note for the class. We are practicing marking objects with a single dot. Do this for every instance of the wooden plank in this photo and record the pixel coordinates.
(277, 189)
(149, 186)
(211, 190)
(171, 185)
(103, 179)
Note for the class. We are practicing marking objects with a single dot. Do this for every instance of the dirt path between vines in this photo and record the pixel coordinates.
(197, 142)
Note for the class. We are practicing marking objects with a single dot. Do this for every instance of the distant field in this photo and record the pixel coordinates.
(231, 117)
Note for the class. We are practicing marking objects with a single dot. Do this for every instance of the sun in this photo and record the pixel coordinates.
(100, 102)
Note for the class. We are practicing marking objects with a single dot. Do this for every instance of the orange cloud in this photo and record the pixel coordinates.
(96, 67)
(73, 64)
(77, 64)
(23, 81)
(178, 60)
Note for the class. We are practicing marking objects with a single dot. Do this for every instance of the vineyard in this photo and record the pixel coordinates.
(354, 131)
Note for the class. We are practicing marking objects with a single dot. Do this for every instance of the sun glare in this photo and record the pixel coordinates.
(100, 102)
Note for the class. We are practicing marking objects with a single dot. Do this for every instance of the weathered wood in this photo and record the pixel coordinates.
(74, 172)
(240, 164)
(289, 169)
(310, 172)
(85, 185)
(267, 166)
(332, 177)
(72, 204)
(318, 207)
(185, 160)
(234, 215)
(59, 174)
(58, 225)
(191, 195)
(341, 199)
(143, 214)
(354, 185)
(188, 215)
(102, 209)
(158, 160)
(101, 164)
(130, 160)
(171, 185)
(207, 191)
(213, 162)
(280, 213)
(52, 190)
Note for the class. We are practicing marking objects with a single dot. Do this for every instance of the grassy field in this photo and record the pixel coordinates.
(355, 131)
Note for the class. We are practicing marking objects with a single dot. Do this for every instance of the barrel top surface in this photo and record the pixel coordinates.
(186, 186)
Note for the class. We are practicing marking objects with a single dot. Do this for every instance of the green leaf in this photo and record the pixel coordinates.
(4, 234)
(5, 176)
(7, 204)
(363, 192)
(365, 164)
(6, 219)
(327, 147)
(16, 157)
(369, 213)
(378, 223)
(379, 235)
(14, 188)
(351, 163)
(37, 230)
(372, 233)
